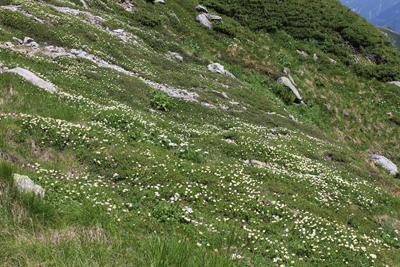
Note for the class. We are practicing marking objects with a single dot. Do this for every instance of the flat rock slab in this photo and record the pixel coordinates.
(386, 163)
(218, 68)
(30, 76)
(202, 19)
(26, 185)
(395, 83)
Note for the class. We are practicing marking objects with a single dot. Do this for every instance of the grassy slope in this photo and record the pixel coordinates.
(121, 181)
(393, 36)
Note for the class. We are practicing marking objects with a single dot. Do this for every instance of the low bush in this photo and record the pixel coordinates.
(284, 93)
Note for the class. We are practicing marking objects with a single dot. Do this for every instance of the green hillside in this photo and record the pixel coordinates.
(149, 158)
(392, 35)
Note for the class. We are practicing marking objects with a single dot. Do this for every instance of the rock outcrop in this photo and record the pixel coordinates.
(26, 185)
(385, 163)
(286, 82)
(395, 83)
(214, 17)
(218, 68)
(202, 19)
(30, 76)
(201, 9)
(175, 55)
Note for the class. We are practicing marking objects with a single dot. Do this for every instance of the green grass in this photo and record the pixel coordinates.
(194, 185)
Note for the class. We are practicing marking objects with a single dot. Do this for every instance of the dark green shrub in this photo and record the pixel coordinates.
(147, 19)
(224, 28)
(284, 93)
(5, 2)
(160, 100)
(395, 120)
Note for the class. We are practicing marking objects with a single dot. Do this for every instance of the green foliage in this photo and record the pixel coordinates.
(319, 82)
(5, 2)
(284, 60)
(224, 28)
(284, 93)
(147, 18)
(160, 100)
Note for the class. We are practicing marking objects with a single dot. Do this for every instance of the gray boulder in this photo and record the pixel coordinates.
(292, 118)
(315, 57)
(28, 40)
(218, 68)
(159, 2)
(175, 55)
(286, 82)
(395, 83)
(214, 17)
(201, 9)
(34, 45)
(386, 163)
(30, 76)
(203, 20)
(26, 185)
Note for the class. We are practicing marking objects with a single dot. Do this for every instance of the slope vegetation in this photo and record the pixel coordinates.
(150, 159)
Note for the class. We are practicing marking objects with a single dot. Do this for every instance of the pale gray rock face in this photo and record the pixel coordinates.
(386, 163)
(84, 4)
(18, 41)
(214, 17)
(286, 82)
(218, 68)
(292, 118)
(27, 40)
(34, 45)
(8, 44)
(304, 53)
(202, 19)
(175, 55)
(395, 83)
(26, 185)
(30, 76)
(201, 9)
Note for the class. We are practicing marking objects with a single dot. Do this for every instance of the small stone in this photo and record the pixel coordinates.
(300, 72)
(304, 53)
(201, 9)
(345, 113)
(119, 32)
(8, 44)
(214, 17)
(18, 41)
(26, 185)
(159, 2)
(176, 55)
(315, 57)
(34, 45)
(75, 51)
(292, 118)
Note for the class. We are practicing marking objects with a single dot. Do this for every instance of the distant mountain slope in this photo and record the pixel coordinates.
(390, 17)
(392, 35)
(369, 8)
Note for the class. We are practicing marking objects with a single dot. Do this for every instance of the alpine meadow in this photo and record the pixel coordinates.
(197, 133)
